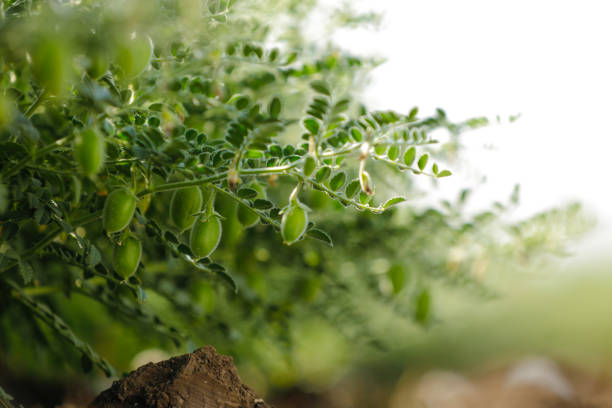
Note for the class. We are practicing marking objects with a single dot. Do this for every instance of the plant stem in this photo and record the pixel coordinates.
(49, 238)
(32, 108)
(48, 148)
(217, 177)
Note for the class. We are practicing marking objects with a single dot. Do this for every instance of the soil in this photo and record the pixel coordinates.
(202, 379)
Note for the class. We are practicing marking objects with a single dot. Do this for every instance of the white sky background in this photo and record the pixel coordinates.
(551, 61)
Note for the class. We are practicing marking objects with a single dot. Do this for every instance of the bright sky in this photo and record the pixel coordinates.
(551, 61)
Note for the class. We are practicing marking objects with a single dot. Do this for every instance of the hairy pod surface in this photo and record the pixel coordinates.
(118, 210)
(134, 55)
(50, 65)
(90, 151)
(184, 204)
(205, 235)
(126, 257)
(294, 223)
(97, 65)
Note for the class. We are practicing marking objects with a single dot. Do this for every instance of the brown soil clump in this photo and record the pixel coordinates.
(202, 379)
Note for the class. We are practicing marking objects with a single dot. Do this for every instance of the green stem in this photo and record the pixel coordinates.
(48, 148)
(41, 290)
(47, 170)
(217, 177)
(261, 214)
(402, 166)
(163, 187)
(32, 108)
(51, 235)
(338, 197)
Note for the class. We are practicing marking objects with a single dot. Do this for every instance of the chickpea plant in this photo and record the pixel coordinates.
(134, 133)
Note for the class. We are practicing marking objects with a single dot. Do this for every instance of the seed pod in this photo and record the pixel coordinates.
(134, 54)
(90, 151)
(118, 210)
(205, 235)
(98, 65)
(366, 183)
(7, 111)
(51, 65)
(184, 204)
(126, 256)
(309, 165)
(294, 222)
(247, 216)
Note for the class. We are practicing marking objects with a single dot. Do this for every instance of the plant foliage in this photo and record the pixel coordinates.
(157, 154)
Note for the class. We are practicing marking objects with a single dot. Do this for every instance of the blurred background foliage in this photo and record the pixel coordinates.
(393, 289)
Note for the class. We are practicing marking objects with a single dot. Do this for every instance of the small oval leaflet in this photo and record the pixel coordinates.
(337, 181)
(262, 204)
(423, 306)
(311, 125)
(409, 156)
(247, 193)
(275, 107)
(320, 235)
(320, 87)
(393, 201)
(380, 149)
(393, 152)
(323, 174)
(356, 134)
(423, 161)
(352, 188)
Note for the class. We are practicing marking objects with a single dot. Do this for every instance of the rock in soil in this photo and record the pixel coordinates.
(202, 379)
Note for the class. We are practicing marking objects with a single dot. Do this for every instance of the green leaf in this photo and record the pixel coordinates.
(240, 101)
(311, 125)
(26, 271)
(341, 106)
(393, 152)
(254, 154)
(397, 277)
(413, 113)
(275, 107)
(393, 201)
(352, 188)
(323, 173)
(337, 181)
(444, 173)
(423, 307)
(356, 134)
(94, 256)
(423, 161)
(364, 198)
(380, 149)
(262, 204)
(320, 235)
(247, 193)
(4, 198)
(434, 168)
(320, 87)
(273, 55)
(409, 156)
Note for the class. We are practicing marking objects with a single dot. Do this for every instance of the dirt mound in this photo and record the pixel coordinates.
(202, 379)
